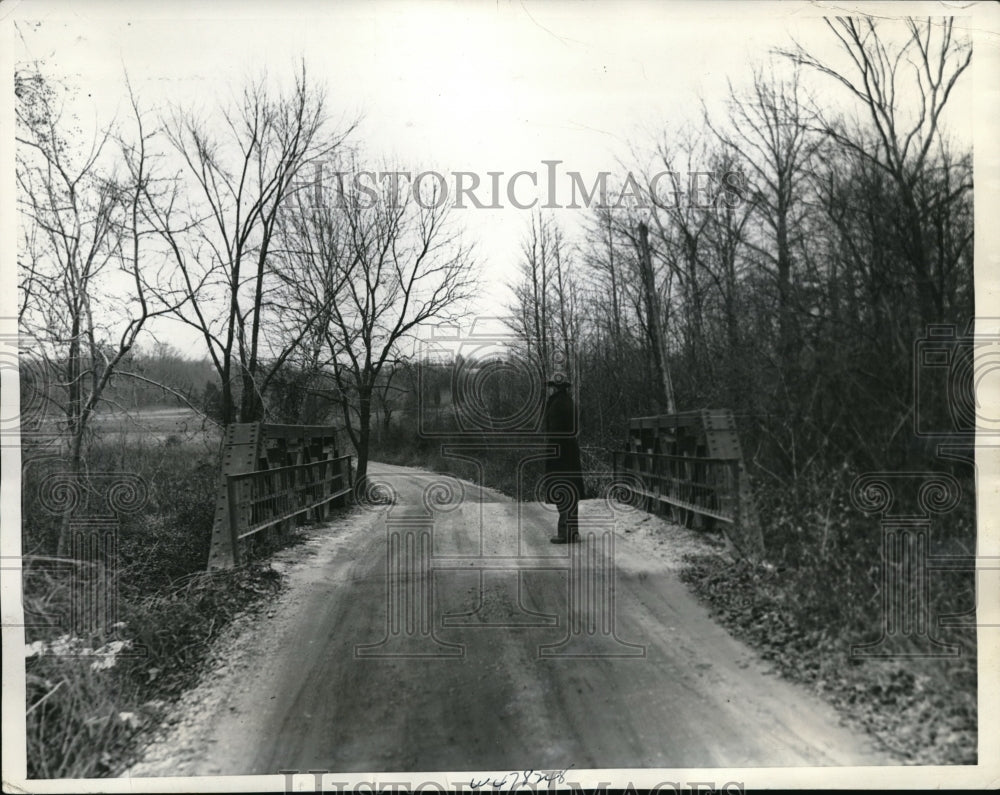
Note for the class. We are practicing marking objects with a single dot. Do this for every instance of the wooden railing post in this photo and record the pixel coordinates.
(234, 517)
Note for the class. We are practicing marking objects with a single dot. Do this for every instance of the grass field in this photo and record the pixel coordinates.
(156, 424)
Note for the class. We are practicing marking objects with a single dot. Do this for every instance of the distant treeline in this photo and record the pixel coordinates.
(145, 379)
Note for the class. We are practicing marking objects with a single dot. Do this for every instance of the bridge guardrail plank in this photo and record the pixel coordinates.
(271, 475)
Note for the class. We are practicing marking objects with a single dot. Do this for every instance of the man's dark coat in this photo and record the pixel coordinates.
(560, 429)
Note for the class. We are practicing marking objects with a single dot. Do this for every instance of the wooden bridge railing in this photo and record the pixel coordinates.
(271, 475)
(258, 500)
(706, 486)
(691, 465)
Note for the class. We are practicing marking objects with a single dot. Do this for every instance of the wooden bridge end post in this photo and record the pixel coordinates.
(232, 497)
(346, 481)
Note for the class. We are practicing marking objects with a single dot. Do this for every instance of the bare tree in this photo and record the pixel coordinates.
(530, 312)
(313, 261)
(681, 216)
(884, 76)
(655, 332)
(727, 238)
(83, 296)
(773, 131)
(241, 179)
(604, 263)
(384, 261)
(545, 313)
(629, 306)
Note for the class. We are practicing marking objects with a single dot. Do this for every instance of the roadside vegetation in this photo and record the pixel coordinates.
(819, 594)
(96, 681)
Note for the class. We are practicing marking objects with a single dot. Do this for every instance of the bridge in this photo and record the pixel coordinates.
(688, 465)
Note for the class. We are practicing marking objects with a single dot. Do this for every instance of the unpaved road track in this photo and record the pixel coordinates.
(315, 685)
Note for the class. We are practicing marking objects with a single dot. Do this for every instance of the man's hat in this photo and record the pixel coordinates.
(561, 383)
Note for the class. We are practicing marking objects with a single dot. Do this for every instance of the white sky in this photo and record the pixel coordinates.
(449, 86)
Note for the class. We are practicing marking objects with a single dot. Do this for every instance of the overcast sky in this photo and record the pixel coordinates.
(455, 86)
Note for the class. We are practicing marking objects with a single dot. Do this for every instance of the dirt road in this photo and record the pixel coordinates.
(593, 656)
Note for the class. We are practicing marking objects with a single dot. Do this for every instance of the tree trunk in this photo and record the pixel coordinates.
(785, 347)
(694, 304)
(76, 473)
(666, 390)
(931, 310)
(227, 394)
(251, 405)
(364, 431)
(616, 318)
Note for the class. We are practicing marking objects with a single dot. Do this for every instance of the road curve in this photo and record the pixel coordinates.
(459, 639)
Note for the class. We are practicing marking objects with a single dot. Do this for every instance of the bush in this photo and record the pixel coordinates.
(820, 592)
(89, 694)
(76, 724)
(830, 556)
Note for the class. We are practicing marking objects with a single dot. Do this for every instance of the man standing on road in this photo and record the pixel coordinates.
(563, 474)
